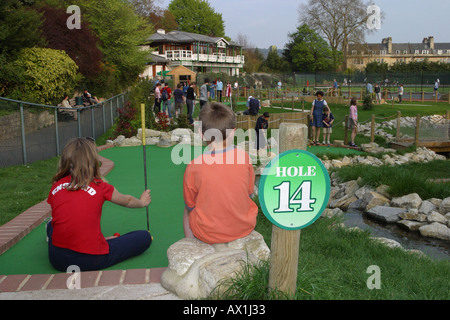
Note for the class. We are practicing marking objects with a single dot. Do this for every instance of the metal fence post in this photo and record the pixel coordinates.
(93, 123)
(104, 117)
(22, 123)
(56, 131)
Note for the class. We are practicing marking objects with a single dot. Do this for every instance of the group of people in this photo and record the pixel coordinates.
(79, 191)
(322, 117)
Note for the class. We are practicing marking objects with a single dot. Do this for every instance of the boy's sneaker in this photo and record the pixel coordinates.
(323, 142)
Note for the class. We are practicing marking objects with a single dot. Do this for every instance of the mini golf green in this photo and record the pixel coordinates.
(165, 180)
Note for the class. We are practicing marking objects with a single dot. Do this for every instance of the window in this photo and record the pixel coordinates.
(383, 51)
(416, 51)
(354, 52)
(397, 51)
(425, 51)
(405, 51)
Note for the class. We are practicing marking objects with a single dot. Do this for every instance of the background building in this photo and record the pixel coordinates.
(196, 52)
(359, 55)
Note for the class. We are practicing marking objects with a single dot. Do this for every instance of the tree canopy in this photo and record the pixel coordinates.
(197, 16)
(307, 51)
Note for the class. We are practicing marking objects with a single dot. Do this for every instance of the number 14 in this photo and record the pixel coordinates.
(286, 201)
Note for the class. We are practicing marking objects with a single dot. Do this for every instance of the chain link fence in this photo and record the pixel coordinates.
(30, 132)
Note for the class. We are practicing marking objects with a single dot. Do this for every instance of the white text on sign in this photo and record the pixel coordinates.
(283, 172)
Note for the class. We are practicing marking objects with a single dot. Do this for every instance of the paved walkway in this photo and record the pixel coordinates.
(97, 285)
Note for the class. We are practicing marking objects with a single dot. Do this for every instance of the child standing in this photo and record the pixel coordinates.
(328, 120)
(76, 197)
(353, 120)
(218, 184)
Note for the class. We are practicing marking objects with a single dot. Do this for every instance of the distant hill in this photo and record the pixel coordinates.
(265, 52)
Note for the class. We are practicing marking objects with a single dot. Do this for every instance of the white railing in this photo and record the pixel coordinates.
(184, 55)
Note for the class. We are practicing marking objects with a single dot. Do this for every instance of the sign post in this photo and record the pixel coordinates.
(293, 192)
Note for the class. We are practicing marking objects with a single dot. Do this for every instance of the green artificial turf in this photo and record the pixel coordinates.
(165, 180)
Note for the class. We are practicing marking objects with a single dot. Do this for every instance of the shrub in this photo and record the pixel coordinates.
(48, 75)
(367, 102)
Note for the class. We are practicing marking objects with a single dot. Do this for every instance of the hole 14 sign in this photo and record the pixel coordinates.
(294, 189)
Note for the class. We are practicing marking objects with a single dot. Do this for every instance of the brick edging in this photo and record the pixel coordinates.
(88, 279)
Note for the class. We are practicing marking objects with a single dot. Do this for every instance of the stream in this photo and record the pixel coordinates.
(434, 248)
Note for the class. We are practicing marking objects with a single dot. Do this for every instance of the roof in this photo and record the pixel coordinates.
(187, 37)
(179, 69)
(155, 59)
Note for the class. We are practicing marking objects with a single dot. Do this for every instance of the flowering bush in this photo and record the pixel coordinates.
(125, 121)
(163, 123)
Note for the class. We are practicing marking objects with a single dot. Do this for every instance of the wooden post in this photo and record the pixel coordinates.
(416, 138)
(285, 244)
(372, 129)
(292, 103)
(397, 133)
(410, 96)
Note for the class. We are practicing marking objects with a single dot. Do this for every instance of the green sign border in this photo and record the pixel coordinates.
(262, 182)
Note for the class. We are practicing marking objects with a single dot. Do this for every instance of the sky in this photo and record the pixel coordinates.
(268, 22)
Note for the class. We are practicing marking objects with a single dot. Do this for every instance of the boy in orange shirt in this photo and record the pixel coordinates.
(218, 185)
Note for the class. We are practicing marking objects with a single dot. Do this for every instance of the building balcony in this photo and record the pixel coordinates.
(187, 55)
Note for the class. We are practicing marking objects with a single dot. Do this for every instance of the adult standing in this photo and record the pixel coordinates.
(400, 93)
(219, 89)
(316, 116)
(262, 124)
(166, 96)
(204, 93)
(436, 87)
(378, 93)
(179, 99)
(190, 102)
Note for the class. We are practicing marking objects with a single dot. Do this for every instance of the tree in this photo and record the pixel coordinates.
(197, 16)
(120, 31)
(273, 62)
(340, 21)
(79, 44)
(19, 27)
(307, 51)
(253, 57)
(160, 18)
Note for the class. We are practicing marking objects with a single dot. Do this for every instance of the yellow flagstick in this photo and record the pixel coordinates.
(145, 157)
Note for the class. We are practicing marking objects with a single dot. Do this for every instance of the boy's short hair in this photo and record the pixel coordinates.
(217, 116)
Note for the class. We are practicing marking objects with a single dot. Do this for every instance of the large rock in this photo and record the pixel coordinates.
(435, 230)
(196, 268)
(444, 206)
(385, 214)
(372, 199)
(412, 200)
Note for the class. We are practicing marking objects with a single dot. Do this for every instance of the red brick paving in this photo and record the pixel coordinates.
(19, 227)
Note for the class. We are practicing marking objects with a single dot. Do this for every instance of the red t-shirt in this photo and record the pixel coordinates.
(217, 188)
(76, 216)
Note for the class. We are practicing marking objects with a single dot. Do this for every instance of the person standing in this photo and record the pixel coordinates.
(378, 93)
(204, 93)
(179, 100)
(219, 89)
(262, 124)
(190, 102)
(166, 96)
(400, 93)
(228, 92)
(316, 116)
(353, 120)
(157, 107)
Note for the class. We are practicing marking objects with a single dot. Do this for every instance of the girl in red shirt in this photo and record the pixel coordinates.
(76, 198)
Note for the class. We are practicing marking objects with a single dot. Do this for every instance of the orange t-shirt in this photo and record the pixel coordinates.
(217, 188)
